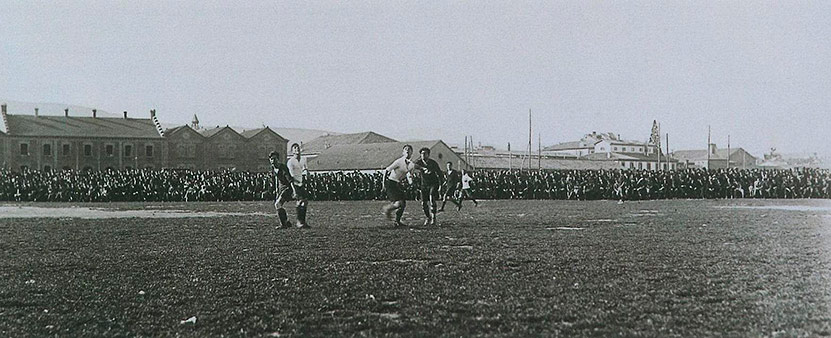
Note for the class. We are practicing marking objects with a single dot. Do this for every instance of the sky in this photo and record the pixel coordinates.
(759, 71)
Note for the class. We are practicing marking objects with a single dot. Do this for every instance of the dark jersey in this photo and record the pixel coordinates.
(431, 175)
(281, 172)
(454, 178)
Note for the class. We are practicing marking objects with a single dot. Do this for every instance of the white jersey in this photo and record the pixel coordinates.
(296, 169)
(466, 181)
(400, 168)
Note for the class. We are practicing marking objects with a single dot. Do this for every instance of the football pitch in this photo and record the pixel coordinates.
(505, 268)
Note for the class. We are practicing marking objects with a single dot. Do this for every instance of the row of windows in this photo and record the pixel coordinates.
(640, 165)
(109, 150)
(633, 149)
(87, 168)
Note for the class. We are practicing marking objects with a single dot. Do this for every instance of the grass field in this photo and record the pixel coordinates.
(512, 268)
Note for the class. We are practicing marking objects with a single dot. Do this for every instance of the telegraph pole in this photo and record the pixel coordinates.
(529, 139)
(708, 147)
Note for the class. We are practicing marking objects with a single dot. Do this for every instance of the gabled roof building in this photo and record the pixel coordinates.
(377, 156)
(95, 142)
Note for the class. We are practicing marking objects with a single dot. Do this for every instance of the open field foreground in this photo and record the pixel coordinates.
(506, 268)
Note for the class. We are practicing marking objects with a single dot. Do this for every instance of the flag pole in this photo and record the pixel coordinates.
(510, 158)
(539, 152)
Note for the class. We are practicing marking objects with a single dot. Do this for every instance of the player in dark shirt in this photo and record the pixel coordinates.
(451, 186)
(285, 188)
(431, 179)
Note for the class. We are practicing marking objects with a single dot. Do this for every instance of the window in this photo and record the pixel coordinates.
(88, 150)
(640, 149)
(128, 150)
(47, 149)
(649, 166)
(632, 165)
(65, 149)
(623, 164)
(640, 165)
(665, 166)
(440, 156)
(148, 150)
(602, 148)
(615, 148)
(624, 148)
(24, 150)
(109, 149)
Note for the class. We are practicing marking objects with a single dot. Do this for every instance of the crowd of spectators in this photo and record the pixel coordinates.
(187, 185)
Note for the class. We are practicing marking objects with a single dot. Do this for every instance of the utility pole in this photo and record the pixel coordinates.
(529, 140)
(669, 166)
(467, 160)
(728, 151)
(659, 148)
(708, 147)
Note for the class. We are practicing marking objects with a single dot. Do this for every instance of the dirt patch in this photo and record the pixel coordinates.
(102, 213)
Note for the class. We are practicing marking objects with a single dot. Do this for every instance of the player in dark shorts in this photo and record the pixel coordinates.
(399, 169)
(285, 188)
(431, 179)
(451, 186)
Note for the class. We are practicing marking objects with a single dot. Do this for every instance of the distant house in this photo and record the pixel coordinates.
(372, 157)
(322, 143)
(716, 159)
(600, 143)
(635, 161)
(619, 153)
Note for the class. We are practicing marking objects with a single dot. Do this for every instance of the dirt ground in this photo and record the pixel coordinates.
(505, 268)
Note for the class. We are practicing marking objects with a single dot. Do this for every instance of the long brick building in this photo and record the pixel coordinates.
(98, 143)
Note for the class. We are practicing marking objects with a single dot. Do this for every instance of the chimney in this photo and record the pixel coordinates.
(712, 149)
(125, 114)
(618, 137)
(94, 113)
(36, 112)
(152, 113)
(66, 112)
(3, 117)
(594, 134)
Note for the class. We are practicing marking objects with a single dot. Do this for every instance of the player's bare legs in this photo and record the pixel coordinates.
(281, 212)
(396, 207)
(301, 214)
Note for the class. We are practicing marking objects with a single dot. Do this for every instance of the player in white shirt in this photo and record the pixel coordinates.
(298, 170)
(466, 192)
(399, 170)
